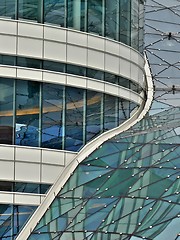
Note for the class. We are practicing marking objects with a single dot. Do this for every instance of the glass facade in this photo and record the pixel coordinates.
(12, 219)
(128, 188)
(55, 116)
(120, 20)
(24, 187)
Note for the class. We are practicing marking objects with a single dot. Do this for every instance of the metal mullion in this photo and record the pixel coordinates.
(64, 118)
(40, 113)
(84, 115)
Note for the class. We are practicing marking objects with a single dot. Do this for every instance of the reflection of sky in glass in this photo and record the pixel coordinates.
(137, 170)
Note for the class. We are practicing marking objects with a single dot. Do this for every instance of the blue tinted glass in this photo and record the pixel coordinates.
(29, 9)
(52, 116)
(95, 16)
(6, 110)
(110, 112)
(112, 19)
(7, 8)
(92, 73)
(54, 66)
(7, 60)
(74, 118)
(28, 62)
(93, 114)
(77, 70)
(27, 113)
(76, 14)
(125, 22)
(54, 12)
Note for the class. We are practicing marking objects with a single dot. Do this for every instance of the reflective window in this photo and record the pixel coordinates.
(112, 19)
(52, 116)
(7, 60)
(72, 69)
(74, 118)
(56, 116)
(7, 8)
(92, 73)
(108, 77)
(12, 218)
(125, 21)
(54, 12)
(135, 23)
(53, 66)
(123, 110)
(75, 19)
(121, 20)
(30, 9)
(27, 113)
(6, 110)
(94, 121)
(30, 187)
(95, 16)
(29, 62)
(110, 112)
(6, 186)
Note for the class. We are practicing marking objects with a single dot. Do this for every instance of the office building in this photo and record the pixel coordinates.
(86, 153)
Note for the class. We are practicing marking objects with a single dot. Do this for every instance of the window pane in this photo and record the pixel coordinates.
(54, 66)
(124, 112)
(54, 12)
(6, 186)
(108, 77)
(28, 62)
(112, 19)
(28, 9)
(135, 24)
(94, 114)
(7, 8)
(92, 73)
(52, 116)
(95, 16)
(6, 111)
(110, 112)
(7, 60)
(27, 113)
(125, 21)
(77, 70)
(74, 118)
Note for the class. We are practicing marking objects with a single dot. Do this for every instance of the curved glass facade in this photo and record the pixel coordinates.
(55, 116)
(12, 219)
(121, 20)
(128, 188)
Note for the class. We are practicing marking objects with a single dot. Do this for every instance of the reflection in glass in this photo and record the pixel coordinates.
(135, 23)
(110, 112)
(52, 116)
(125, 21)
(6, 110)
(95, 16)
(112, 19)
(29, 9)
(54, 12)
(74, 118)
(27, 113)
(123, 110)
(94, 121)
(29, 62)
(12, 218)
(7, 8)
